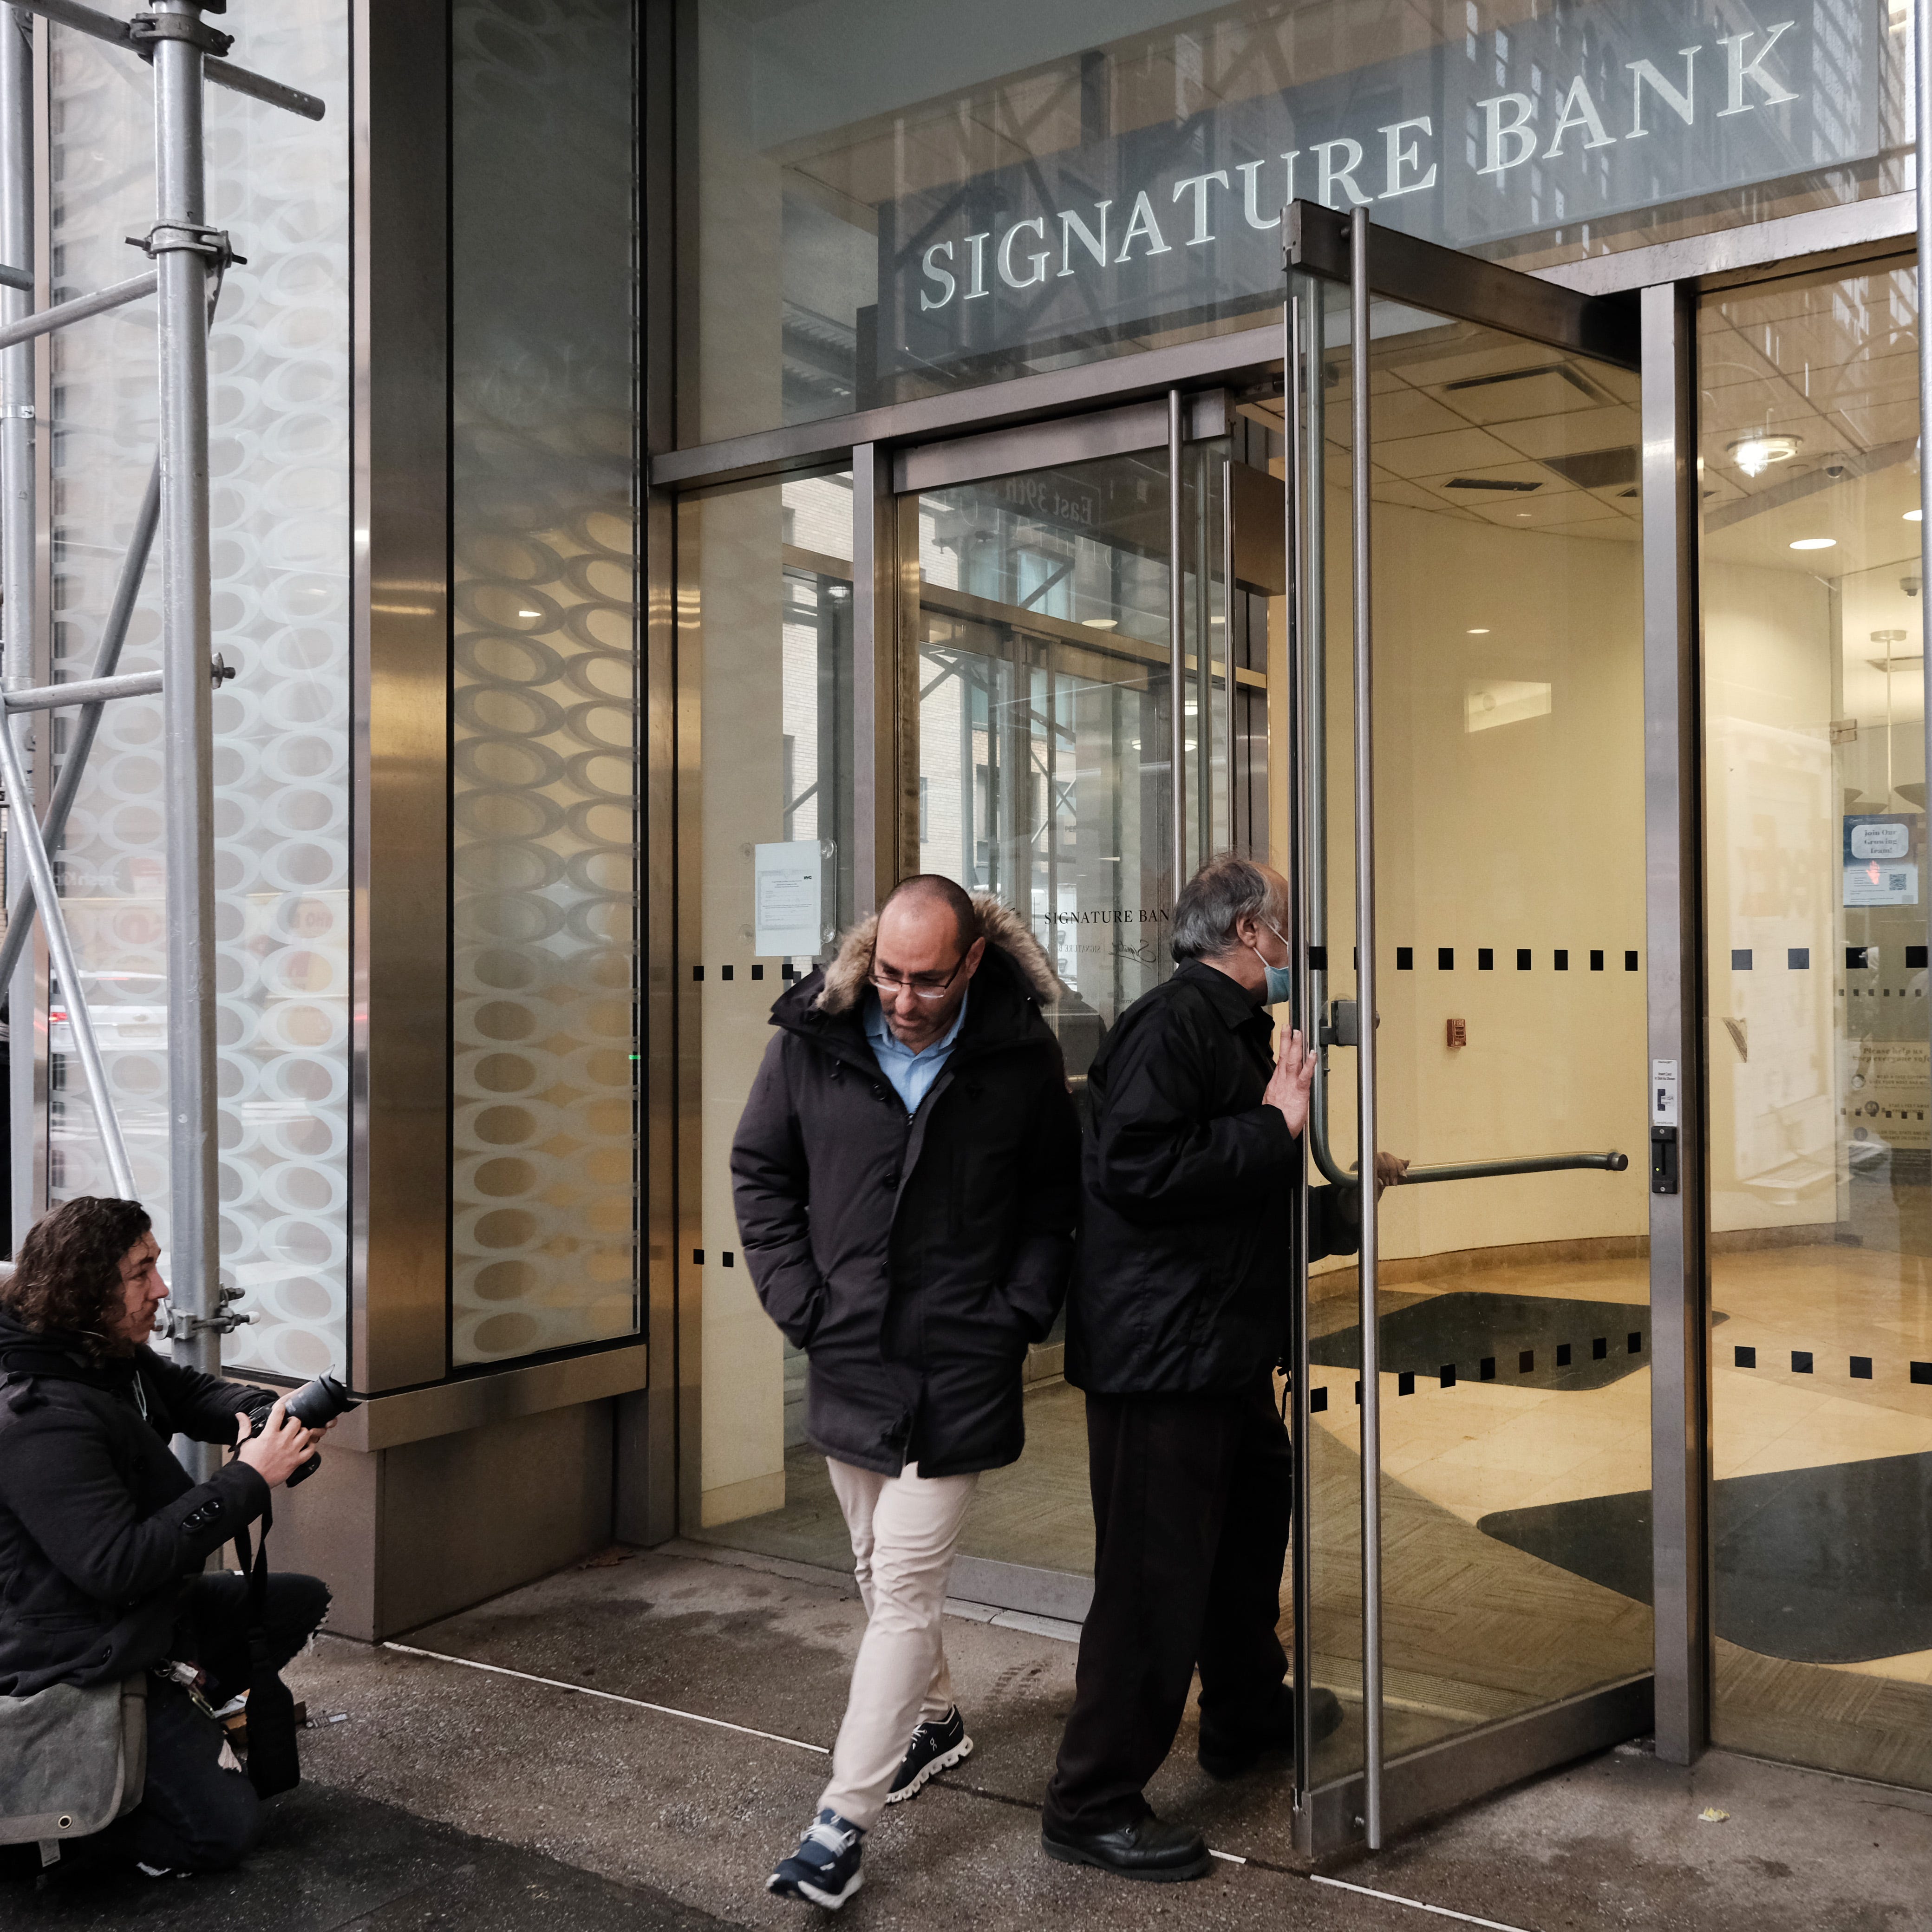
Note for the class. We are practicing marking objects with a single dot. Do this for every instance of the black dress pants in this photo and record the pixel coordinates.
(1193, 1497)
(195, 1816)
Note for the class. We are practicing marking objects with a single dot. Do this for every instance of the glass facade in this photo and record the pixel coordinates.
(765, 649)
(1821, 1211)
(974, 201)
(279, 382)
(985, 191)
(544, 684)
(903, 210)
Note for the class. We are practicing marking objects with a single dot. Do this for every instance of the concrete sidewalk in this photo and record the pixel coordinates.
(668, 1813)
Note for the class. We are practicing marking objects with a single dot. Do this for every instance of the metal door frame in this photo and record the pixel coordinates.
(1372, 262)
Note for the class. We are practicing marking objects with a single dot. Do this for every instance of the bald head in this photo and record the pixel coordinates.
(929, 946)
(934, 888)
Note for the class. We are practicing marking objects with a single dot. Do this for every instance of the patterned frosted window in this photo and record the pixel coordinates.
(545, 677)
(279, 471)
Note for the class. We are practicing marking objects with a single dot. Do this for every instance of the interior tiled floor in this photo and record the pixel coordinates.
(1476, 1628)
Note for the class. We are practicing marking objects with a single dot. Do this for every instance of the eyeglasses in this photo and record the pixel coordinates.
(921, 988)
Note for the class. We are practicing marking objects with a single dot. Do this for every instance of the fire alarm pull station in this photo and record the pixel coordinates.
(1664, 1124)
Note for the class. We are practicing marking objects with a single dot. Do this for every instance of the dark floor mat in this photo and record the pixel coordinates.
(1830, 1565)
(1540, 1339)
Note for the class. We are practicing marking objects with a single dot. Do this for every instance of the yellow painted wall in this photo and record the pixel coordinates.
(1526, 834)
(731, 549)
(1772, 872)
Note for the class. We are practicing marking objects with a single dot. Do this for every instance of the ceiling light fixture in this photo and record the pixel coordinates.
(1099, 623)
(1912, 516)
(1755, 454)
(1815, 543)
(1483, 632)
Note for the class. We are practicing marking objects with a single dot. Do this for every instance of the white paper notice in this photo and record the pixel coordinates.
(789, 899)
(1663, 1093)
(1882, 882)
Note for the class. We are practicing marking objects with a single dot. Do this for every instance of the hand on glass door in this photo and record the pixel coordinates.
(1287, 1086)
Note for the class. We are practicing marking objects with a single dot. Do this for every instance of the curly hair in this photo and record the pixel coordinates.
(67, 1274)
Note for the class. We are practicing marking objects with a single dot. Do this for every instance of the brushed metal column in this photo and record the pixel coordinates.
(1301, 876)
(1922, 60)
(1680, 1418)
(1176, 645)
(876, 814)
(1365, 1053)
(18, 582)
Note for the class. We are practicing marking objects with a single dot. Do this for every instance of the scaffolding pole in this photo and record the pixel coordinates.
(190, 258)
(183, 250)
(26, 1016)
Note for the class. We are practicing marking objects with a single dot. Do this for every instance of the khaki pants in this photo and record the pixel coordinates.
(904, 1529)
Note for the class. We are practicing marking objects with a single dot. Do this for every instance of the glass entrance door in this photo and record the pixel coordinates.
(1042, 743)
(1473, 1565)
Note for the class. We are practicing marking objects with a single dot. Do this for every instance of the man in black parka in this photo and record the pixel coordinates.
(104, 1534)
(1178, 1313)
(906, 1179)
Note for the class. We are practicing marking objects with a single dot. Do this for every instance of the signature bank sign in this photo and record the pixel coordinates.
(1587, 111)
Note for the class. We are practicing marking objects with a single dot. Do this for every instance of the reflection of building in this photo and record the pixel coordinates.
(568, 564)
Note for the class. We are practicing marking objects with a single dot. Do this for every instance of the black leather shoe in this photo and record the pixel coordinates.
(1225, 1754)
(1145, 1850)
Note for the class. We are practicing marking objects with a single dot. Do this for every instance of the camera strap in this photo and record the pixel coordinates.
(274, 1764)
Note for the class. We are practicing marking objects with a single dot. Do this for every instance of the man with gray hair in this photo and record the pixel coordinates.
(1178, 1312)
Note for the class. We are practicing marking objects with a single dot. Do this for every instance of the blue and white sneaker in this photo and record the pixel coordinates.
(825, 1867)
(938, 1745)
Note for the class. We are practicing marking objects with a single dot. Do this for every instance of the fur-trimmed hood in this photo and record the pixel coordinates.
(851, 967)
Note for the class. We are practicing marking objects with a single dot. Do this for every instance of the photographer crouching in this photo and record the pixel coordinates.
(103, 1534)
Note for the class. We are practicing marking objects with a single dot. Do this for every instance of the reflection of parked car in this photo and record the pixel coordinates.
(116, 1029)
(129, 1011)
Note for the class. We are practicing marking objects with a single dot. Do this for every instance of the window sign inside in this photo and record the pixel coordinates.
(1587, 111)
(788, 889)
(1881, 862)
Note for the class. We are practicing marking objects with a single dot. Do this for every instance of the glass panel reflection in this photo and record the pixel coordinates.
(765, 611)
(544, 683)
(1510, 874)
(893, 200)
(279, 505)
(1821, 1213)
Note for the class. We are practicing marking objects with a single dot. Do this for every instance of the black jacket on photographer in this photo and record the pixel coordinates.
(913, 1260)
(101, 1530)
(1181, 1284)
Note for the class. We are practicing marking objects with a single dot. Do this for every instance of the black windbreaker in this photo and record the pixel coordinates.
(1181, 1282)
(913, 1261)
(100, 1528)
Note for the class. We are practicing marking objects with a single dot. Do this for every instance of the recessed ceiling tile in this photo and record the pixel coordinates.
(1724, 357)
(1554, 386)
(1537, 513)
(1402, 413)
(1437, 455)
(1569, 433)
(1503, 484)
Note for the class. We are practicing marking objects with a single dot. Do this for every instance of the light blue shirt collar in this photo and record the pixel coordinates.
(911, 1074)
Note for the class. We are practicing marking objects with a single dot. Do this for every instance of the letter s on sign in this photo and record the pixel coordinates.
(936, 274)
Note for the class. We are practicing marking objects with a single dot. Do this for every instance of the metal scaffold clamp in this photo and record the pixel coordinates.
(145, 29)
(167, 237)
(183, 1325)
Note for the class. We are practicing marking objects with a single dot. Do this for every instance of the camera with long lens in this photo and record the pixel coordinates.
(315, 1405)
